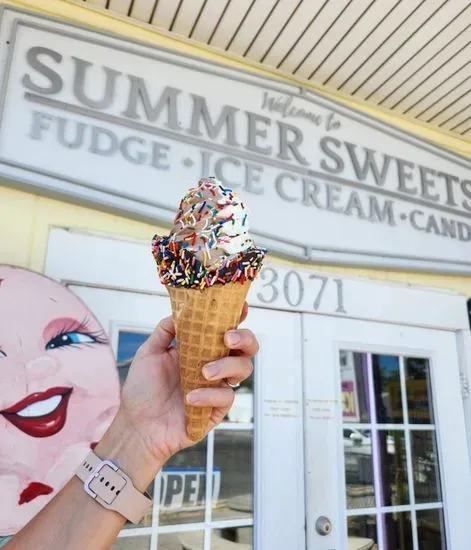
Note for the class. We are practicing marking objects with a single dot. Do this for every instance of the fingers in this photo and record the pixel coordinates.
(163, 334)
(235, 369)
(211, 397)
(242, 340)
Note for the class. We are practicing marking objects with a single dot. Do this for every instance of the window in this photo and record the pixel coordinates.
(393, 490)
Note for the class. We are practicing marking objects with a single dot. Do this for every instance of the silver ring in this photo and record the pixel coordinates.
(233, 386)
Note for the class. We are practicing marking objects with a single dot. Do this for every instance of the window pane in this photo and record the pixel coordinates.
(354, 379)
(397, 531)
(233, 464)
(362, 532)
(128, 344)
(358, 469)
(132, 543)
(387, 388)
(193, 540)
(419, 401)
(431, 530)
(393, 482)
(240, 535)
(425, 466)
(183, 485)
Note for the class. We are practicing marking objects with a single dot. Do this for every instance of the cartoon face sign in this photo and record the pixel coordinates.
(59, 391)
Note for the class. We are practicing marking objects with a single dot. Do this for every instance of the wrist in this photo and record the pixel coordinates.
(124, 447)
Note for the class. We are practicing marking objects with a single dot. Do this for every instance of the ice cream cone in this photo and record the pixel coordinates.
(202, 317)
(207, 263)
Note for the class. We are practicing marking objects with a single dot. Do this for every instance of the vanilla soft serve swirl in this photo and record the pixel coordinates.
(212, 222)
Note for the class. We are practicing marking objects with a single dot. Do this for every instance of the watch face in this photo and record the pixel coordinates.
(59, 390)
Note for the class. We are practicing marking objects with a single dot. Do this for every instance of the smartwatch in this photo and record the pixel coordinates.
(112, 488)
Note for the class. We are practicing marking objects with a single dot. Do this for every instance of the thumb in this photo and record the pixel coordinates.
(160, 340)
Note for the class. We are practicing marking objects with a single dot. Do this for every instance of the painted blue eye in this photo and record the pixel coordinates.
(2, 354)
(69, 339)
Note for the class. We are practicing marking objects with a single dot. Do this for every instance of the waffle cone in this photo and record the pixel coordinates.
(202, 317)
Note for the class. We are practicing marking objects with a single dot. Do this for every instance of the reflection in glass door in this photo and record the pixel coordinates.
(392, 480)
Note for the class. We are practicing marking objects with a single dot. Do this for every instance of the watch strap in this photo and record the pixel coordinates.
(112, 488)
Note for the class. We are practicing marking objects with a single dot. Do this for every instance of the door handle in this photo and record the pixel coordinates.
(323, 526)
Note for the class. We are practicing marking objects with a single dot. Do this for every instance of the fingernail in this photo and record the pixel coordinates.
(233, 337)
(194, 397)
(210, 370)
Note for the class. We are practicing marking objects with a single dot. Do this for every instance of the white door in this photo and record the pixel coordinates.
(254, 456)
(386, 458)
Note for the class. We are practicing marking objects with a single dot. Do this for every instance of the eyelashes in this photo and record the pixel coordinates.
(75, 333)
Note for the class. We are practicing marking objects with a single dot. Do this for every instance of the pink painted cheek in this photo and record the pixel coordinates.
(42, 367)
(91, 369)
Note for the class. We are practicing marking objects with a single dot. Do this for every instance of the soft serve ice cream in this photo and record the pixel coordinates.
(209, 243)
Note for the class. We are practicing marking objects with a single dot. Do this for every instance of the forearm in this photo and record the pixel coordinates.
(72, 519)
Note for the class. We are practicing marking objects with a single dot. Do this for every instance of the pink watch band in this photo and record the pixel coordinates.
(112, 488)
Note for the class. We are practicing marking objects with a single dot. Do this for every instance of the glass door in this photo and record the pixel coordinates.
(385, 438)
(207, 496)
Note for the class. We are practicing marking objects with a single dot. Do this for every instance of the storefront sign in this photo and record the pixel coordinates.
(131, 127)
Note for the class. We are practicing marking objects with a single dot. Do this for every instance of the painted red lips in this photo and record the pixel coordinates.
(40, 414)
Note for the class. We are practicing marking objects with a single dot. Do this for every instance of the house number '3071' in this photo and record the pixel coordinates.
(295, 289)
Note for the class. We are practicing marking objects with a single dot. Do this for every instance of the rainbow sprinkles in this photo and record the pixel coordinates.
(209, 243)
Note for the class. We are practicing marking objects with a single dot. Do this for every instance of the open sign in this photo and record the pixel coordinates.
(184, 488)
